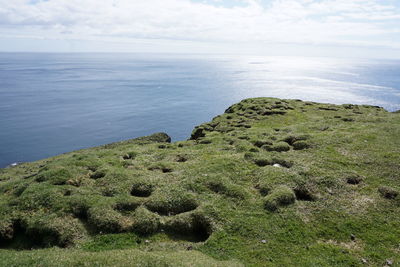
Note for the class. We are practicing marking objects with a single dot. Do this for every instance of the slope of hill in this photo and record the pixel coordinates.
(270, 182)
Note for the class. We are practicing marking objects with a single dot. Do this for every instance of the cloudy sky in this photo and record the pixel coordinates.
(273, 27)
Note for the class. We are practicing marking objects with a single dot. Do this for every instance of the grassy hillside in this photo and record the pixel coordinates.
(268, 183)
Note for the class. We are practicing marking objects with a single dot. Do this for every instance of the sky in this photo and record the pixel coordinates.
(346, 28)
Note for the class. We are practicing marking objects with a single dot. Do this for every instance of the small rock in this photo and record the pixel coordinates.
(264, 241)
(277, 165)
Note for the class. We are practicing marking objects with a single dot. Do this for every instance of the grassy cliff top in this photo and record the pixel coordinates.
(270, 182)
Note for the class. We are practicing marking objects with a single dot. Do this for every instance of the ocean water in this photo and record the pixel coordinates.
(56, 103)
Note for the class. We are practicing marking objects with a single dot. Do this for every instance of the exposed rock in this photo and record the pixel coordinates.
(197, 133)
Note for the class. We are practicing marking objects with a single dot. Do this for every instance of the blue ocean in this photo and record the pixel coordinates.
(56, 103)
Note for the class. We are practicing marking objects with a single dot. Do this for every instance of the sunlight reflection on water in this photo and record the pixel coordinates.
(55, 103)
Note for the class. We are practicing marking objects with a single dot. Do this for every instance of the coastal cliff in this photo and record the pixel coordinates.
(270, 182)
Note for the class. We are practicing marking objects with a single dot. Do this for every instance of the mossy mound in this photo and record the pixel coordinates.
(279, 197)
(270, 182)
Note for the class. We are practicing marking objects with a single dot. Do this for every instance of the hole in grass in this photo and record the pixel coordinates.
(129, 155)
(108, 193)
(300, 145)
(262, 162)
(260, 143)
(205, 141)
(354, 179)
(347, 119)
(166, 170)
(274, 112)
(200, 231)
(291, 139)
(278, 147)
(388, 192)
(142, 190)
(181, 158)
(34, 239)
(7, 234)
(160, 168)
(195, 228)
(282, 163)
(263, 189)
(127, 206)
(59, 183)
(198, 234)
(92, 168)
(80, 211)
(98, 174)
(303, 194)
(19, 239)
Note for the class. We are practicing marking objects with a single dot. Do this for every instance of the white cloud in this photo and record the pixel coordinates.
(326, 22)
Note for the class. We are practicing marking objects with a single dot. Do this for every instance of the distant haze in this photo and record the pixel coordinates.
(338, 28)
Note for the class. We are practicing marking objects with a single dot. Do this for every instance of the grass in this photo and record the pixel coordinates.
(270, 182)
(279, 197)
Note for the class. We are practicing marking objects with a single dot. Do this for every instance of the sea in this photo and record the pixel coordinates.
(56, 103)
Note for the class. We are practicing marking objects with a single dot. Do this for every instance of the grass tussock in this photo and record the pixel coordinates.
(279, 197)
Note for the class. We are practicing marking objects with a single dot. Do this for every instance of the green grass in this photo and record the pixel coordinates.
(270, 182)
